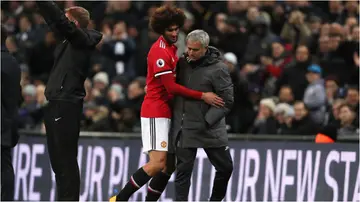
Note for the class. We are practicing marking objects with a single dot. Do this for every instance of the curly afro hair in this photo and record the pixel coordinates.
(166, 16)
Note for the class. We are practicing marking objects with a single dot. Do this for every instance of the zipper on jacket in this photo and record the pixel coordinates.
(62, 82)
(183, 114)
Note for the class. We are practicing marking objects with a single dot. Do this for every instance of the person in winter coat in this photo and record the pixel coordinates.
(315, 95)
(196, 124)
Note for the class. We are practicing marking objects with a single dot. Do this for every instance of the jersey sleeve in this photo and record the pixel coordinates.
(161, 62)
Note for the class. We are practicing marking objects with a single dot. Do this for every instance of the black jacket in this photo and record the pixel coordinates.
(72, 55)
(201, 125)
(10, 98)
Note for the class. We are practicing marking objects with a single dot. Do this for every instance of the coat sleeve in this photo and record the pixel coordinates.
(58, 22)
(223, 87)
(315, 97)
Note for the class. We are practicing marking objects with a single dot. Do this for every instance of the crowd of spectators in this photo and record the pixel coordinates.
(294, 64)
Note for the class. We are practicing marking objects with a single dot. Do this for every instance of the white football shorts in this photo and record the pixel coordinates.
(155, 134)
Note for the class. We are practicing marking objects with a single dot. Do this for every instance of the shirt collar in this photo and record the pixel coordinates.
(165, 41)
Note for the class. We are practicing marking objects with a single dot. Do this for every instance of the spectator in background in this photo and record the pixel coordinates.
(296, 31)
(302, 123)
(29, 105)
(349, 123)
(286, 95)
(101, 83)
(332, 115)
(352, 98)
(120, 49)
(315, 96)
(274, 65)
(26, 38)
(265, 122)
(332, 89)
(294, 74)
(330, 31)
(259, 40)
(283, 114)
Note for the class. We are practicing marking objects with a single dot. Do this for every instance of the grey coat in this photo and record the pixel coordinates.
(196, 124)
(315, 100)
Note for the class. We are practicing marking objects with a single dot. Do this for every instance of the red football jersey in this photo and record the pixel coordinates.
(161, 60)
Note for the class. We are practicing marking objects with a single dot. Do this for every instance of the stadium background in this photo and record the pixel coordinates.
(268, 46)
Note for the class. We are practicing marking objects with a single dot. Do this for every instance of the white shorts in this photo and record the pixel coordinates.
(155, 134)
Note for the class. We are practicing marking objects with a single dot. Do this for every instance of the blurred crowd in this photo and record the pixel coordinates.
(294, 64)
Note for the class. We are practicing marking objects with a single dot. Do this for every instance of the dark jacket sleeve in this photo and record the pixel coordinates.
(56, 19)
(223, 87)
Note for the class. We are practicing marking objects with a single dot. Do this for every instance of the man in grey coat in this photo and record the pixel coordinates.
(196, 124)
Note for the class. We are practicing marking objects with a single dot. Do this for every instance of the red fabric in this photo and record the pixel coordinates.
(161, 60)
(160, 81)
(276, 70)
(176, 89)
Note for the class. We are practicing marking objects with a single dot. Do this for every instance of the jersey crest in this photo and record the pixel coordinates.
(160, 63)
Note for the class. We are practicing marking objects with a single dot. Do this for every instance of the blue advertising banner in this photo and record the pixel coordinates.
(263, 171)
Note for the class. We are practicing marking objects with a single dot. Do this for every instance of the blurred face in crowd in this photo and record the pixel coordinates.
(237, 6)
(171, 33)
(350, 21)
(334, 43)
(29, 4)
(277, 49)
(315, 26)
(195, 50)
(325, 30)
(265, 111)
(286, 94)
(311, 77)
(324, 45)
(220, 22)
(352, 97)
(336, 108)
(302, 54)
(331, 88)
(252, 13)
(346, 115)
(352, 6)
(134, 90)
(335, 6)
(355, 33)
(38, 19)
(300, 111)
(24, 24)
(119, 29)
(99, 85)
(11, 45)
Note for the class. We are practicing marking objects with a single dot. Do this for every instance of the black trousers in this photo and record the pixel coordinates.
(7, 175)
(62, 122)
(219, 157)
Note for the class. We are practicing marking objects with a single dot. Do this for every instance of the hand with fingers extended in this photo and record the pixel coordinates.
(212, 99)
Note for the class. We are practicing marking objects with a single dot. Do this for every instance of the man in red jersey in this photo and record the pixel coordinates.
(155, 111)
